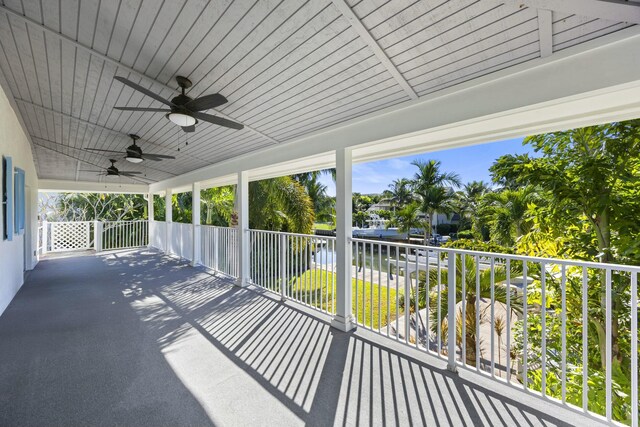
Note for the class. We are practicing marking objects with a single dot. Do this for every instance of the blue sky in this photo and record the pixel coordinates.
(471, 163)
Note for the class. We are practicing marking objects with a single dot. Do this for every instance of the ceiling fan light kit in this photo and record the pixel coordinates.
(181, 119)
(134, 153)
(183, 110)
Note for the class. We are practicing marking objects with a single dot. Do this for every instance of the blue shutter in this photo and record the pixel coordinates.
(7, 197)
(19, 201)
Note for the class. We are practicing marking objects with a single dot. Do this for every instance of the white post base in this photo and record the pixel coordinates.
(342, 324)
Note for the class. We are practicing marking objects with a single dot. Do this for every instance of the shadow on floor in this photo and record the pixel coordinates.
(137, 338)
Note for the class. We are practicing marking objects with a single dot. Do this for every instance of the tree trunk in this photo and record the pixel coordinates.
(603, 234)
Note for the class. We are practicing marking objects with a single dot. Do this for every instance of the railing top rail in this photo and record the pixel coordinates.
(124, 220)
(218, 226)
(560, 261)
(70, 222)
(292, 234)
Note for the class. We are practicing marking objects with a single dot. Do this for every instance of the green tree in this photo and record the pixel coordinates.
(506, 214)
(92, 206)
(430, 185)
(407, 218)
(280, 204)
(400, 193)
(468, 204)
(217, 205)
(589, 179)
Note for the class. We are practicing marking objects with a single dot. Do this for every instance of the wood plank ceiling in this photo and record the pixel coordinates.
(288, 67)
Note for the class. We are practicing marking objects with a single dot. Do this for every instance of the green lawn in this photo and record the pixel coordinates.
(312, 287)
(321, 226)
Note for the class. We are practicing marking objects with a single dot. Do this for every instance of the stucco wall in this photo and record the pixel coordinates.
(14, 143)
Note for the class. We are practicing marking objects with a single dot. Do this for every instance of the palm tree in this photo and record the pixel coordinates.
(431, 187)
(468, 202)
(470, 298)
(505, 213)
(322, 204)
(400, 193)
(280, 204)
(218, 205)
(406, 219)
(498, 326)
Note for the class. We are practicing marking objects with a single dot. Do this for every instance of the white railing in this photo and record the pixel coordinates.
(62, 236)
(517, 329)
(123, 234)
(219, 249)
(531, 323)
(41, 238)
(181, 240)
(158, 235)
(299, 267)
(70, 236)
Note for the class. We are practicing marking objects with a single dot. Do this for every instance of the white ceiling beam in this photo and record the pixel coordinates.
(55, 186)
(364, 34)
(611, 10)
(112, 61)
(545, 32)
(541, 95)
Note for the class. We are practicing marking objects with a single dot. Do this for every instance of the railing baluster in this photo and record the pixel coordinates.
(371, 285)
(563, 329)
(439, 303)
(380, 286)
(463, 307)
(451, 310)
(585, 338)
(397, 293)
(356, 296)
(364, 287)
(608, 332)
(634, 349)
(427, 289)
(416, 293)
(508, 321)
(388, 319)
(407, 299)
(525, 341)
(543, 324)
(493, 316)
(477, 260)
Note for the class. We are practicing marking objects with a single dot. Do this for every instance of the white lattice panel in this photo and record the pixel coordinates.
(68, 236)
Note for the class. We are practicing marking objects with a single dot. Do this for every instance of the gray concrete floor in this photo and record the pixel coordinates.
(136, 338)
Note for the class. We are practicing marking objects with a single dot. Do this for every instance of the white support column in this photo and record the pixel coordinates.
(97, 236)
(45, 236)
(343, 319)
(150, 215)
(242, 203)
(195, 221)
(168, 217)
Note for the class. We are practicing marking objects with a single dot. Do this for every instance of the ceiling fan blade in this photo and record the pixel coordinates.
(206, 102)
(105, 151)
(128, 173)
(156, 156)
(154, 110)
(89, 170)
(143, 90)
(218, 120)
(191, 128)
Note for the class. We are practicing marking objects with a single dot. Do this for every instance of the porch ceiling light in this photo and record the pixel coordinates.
(133, 158)
(181, 119)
